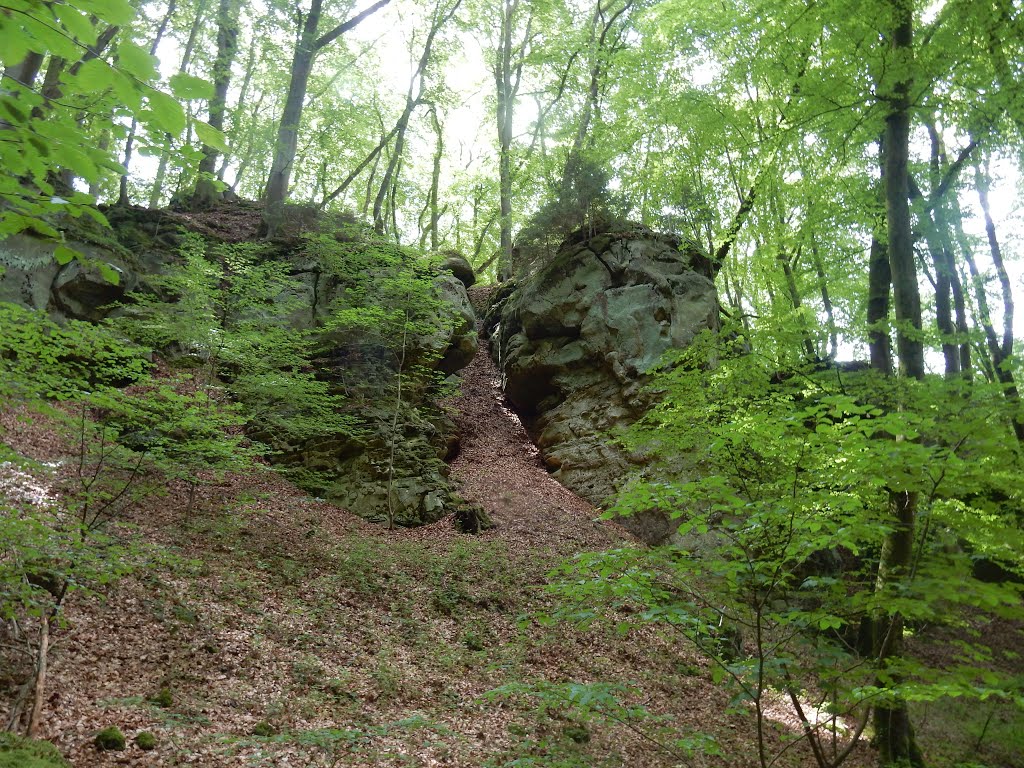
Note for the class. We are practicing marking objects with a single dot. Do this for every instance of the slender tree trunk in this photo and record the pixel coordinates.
(508, 70)
(794, 297)
(1002, 350)
(39, 694)
(413, 99)
(893, 730)
(288, 130)
(370, 180)
(431, 212)
(391, 170)
(186, 61)
(206, 193)
(51, 89)
(879, 285)
(372, 157)
(826, 300)
(26, 72)
(129, 142)
(239, 108)
(572, 190)
(942, 261)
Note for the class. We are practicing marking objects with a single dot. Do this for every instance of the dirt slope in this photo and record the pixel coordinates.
(272, 629)
(499, 468)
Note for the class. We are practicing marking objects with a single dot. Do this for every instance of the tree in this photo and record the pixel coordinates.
(227, 46)
(509, 58)
(309, 43)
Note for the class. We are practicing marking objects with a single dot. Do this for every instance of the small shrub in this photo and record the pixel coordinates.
(264, 729)
(163, 698)
(578, 733)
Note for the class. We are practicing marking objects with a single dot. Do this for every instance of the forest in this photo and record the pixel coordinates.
(555, 383)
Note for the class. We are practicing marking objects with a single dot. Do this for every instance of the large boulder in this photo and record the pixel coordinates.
(33, 278)
(460, 342)
(459, 266)
(576, 340)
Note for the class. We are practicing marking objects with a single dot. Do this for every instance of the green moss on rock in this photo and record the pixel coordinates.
(110, 739)
(145, 741)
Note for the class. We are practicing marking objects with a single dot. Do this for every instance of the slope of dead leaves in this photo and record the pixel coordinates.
(344, 644)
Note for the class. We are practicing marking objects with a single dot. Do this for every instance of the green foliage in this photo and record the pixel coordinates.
(41, 359)
(43, 127)
(386, 293)
(228, 312)
(19, 752)
(584, 205)
(567, 714)
(780, 484)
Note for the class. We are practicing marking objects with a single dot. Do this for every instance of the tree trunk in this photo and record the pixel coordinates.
(431, 206)
(1001, 350)
(879, 285)
(129, 142)
(416, 86)
(826, 300)
(206, 194)
(893, 731)
(288, 129)
(186, 61)
(507, 79)
(39, 692)
(794, 296)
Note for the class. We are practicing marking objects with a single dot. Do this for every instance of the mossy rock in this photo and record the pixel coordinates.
(145, 741)
(19, 752)
(110, 740)
(472, 518)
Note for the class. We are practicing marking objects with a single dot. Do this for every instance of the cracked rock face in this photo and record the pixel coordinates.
(576, 340)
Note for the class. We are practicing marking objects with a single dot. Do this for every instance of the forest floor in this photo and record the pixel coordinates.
(273, 629)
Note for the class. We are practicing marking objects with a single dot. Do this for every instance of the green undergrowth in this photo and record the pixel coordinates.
(19, 752)
(960, 733)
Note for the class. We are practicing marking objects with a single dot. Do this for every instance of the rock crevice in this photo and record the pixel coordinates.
(575, 343)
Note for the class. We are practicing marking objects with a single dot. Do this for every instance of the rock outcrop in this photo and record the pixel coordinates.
(575, 341)
(388, 469)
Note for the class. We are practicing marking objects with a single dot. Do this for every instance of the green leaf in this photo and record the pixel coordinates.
(47, 37)
(187, 87)
(76, 23)
(116, 12)
(137, 61)
(166, 113)
(64, 255)
(109, 273)
(210, 136)
(14, 49)
(95, 75)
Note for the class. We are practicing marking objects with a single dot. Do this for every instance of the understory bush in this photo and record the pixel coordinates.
(780, 486)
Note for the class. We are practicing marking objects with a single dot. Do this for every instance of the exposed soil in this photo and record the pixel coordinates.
(500, 469)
